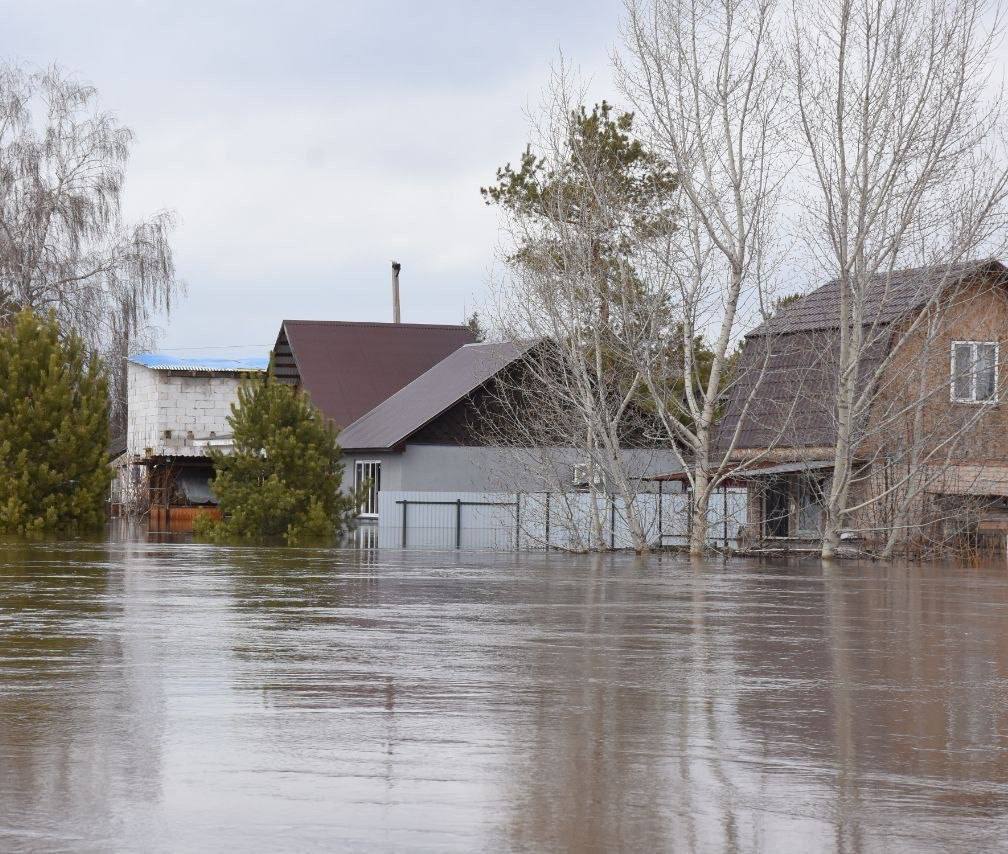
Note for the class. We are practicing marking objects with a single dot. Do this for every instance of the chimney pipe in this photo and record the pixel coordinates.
(396, 267)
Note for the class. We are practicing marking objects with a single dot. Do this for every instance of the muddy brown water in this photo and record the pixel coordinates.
(190, 698)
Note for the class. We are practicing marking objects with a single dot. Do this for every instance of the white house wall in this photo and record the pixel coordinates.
(164, 400)
(487, 469)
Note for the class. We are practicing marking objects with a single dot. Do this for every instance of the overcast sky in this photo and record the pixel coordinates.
(304, 145)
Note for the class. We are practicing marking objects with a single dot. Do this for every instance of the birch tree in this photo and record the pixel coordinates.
(64, 246)
(899, 135)
(705, 78)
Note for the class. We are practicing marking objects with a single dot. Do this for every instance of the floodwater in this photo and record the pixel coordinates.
(191, 698)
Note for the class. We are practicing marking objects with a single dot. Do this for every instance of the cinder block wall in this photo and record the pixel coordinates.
(163, 400)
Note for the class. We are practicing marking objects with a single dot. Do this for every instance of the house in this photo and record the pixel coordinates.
(430, 437)
(348, 368)
(782, 407)
(177, 409)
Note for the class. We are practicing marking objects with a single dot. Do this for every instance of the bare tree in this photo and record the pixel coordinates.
(63, 244)
(575, 208)
(705, 77)
(916, 441)
(898, 134)
(565, 475)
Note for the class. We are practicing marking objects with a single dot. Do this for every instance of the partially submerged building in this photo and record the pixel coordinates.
(409, 400)
(934, 336)
(350, 368)
(177, 409)
(432, 437)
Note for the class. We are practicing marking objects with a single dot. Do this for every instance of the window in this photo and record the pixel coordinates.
(974, 371)
(810, 494)
(368, 472)
(776, 508)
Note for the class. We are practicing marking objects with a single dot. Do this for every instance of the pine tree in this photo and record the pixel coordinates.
(476, 327)
(54, 476)
(283, 477)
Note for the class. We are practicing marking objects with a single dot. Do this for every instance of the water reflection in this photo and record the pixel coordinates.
(182, 697)
(79, 717)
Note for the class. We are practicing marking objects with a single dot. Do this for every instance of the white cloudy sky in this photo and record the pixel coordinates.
(304, 144)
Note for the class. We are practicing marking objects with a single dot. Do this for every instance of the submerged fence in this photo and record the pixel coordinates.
(543, 520)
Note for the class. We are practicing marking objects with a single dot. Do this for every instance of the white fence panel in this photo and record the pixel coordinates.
(509, 521)
(675, 519)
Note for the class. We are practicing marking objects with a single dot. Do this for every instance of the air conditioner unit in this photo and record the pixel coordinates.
(580, 478)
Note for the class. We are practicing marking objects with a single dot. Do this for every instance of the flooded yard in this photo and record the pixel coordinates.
(189, 698)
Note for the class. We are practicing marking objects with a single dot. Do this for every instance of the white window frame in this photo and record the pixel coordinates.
(369, 508)
(973, 372)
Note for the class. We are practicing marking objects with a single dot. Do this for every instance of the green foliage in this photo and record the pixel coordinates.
(604, 173)
(54, 475)
(785, 301)
(282, 480)
(586, 210)
(476, 326)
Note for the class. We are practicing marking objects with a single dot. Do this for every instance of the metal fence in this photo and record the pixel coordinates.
(543, 520)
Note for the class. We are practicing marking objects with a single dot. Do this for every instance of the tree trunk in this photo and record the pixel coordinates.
(698, 513)
(831, 540)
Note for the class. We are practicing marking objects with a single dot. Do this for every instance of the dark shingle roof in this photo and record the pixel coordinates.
(794, 400)
(396, 419)
(888, 297)
(793, 404)
(349, 368)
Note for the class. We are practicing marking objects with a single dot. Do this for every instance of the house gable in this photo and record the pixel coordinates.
(349, 368)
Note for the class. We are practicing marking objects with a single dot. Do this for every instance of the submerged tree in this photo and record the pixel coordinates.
(576, 207)
(283, 478)
(706, 80)
(53, 430)
(904, 141)
(63, 244)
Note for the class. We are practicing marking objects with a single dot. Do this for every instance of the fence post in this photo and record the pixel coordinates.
(689, 515)
(404, 505)
(517, 521)
(612, 521)
(661, 530)
(458, 523)
(724, 518)
(547, 522)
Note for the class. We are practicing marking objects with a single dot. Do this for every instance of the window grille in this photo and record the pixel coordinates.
(368, 472)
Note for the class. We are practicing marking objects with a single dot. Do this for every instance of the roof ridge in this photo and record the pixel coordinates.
(379, 323)
(887, 292)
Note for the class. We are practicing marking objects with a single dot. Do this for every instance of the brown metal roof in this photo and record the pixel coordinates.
(396, 419)
(349, 368)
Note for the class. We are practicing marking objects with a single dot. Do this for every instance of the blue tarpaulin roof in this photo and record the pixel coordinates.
(162, 362)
